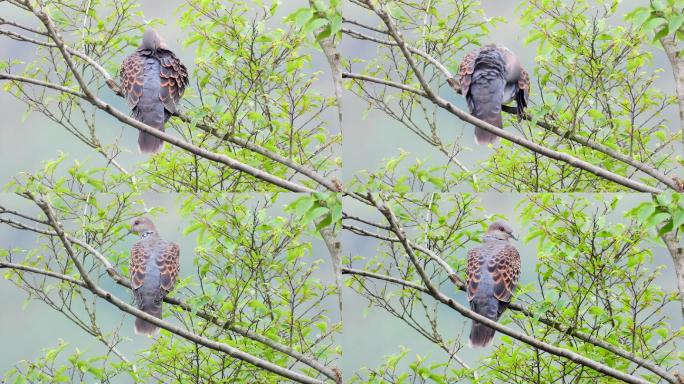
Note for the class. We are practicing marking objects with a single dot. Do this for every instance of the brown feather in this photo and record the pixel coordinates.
(475, 260)
(505, 270)
(132, 77)
(524, 84)
(465, 71)
(174, 79)
(169, 266)
(137, 268)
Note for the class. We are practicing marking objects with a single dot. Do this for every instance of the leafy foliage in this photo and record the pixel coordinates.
(593, 79)
(594, 273)
(252, 269)
(251, 84)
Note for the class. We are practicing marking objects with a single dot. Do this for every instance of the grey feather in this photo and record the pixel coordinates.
(493, 269)
(480, 334)
(485, 302)
(149, 109)
(148, 298)
(491, 76)
(153, 80)
(487, 92)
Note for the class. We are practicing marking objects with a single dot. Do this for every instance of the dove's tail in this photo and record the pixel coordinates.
(149, 144)
(480, 334)
(146, 142)
(143, 327)
(151, 111)
(484, 102)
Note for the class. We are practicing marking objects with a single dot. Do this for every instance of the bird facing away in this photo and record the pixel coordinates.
(489, 77)
(492, 274)
(154, 269)
(153, 80)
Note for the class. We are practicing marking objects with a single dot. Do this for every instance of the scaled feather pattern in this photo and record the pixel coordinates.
(153, 80)
(493, 269)
(155, 264)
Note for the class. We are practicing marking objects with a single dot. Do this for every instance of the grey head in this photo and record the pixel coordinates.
(152, 40)
(143, 224)
(500, 230)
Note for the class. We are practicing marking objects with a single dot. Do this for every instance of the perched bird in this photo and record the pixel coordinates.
(493, 270)
(489, 77)
(153, 80)
(154, 270)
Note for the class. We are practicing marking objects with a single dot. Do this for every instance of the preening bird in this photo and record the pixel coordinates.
(489, 77)
(154, 269)
(492, 274)
(153, 80)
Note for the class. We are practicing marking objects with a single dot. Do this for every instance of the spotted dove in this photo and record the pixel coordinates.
(492, 274)
(154, 270)
(153, 80)
(489, 77)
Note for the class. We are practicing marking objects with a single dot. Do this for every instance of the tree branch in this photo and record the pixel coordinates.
(219, 158)
(439, 296)
(89, 285)
(676, 59)
(656, 174)
(676, 251)
(430, 94)
(57, 87)
(120, 280)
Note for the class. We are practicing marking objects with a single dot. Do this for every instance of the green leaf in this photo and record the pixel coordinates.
(676, 23)
(336, 24)
(657, 219)
(314, 214)
(595, 114)
(303, 205)
(314, 25)
(644, 211)
(678, 218)
(302, 16)
(653, 24)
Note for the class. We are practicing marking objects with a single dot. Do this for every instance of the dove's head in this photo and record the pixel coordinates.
(152, 40)
(142, 224)
(500, 230)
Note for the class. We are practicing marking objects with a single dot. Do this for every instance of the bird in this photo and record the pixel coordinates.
(153, 81)
(154, 268)
(489, 77)
(493, 269)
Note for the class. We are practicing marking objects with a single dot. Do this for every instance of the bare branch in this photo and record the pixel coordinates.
(349, 75)
(663, 178)
(57, 87)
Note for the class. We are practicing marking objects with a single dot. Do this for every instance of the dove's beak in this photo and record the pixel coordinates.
(514, 237)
